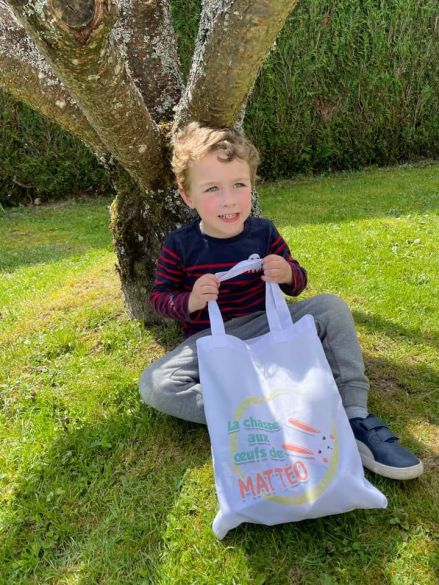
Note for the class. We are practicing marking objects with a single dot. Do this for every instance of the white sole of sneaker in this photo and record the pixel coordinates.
(402, 473)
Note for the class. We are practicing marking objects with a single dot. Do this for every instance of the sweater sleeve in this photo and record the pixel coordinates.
(168, 296)
(299, 277)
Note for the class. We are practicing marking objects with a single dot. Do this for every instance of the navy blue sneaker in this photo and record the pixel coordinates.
(381, 453)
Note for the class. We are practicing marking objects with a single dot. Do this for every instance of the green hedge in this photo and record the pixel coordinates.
(39, 160)
(349, 84)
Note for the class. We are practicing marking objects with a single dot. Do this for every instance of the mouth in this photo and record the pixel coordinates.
(229, 217)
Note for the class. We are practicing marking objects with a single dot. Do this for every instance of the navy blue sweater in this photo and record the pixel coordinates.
(187, 254)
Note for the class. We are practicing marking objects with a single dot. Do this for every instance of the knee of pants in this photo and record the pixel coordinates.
(147, 389)
(332, 304)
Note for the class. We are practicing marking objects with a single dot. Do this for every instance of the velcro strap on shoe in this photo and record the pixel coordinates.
(385, 434)
(374, 423)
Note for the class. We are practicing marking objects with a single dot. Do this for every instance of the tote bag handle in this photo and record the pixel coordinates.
(278, 315)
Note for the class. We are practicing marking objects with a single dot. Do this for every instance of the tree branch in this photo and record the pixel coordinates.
(146, 31)
(76, 40)
(25, 75)
(233, 41)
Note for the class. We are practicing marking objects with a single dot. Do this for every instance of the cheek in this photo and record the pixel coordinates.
(208, 206)
(246, 200)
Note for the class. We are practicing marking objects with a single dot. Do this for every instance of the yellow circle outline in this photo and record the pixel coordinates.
(310, 495)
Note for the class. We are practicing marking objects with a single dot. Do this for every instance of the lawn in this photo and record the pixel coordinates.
(96, 488)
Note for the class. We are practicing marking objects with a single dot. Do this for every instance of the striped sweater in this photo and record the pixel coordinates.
(187, 254)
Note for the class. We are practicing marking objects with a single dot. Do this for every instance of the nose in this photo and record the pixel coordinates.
(228, 197)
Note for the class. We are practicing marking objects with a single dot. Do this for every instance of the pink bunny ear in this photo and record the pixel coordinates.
(302, 426)
(298, 450)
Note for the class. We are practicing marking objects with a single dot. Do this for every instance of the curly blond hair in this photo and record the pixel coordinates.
(194, 141)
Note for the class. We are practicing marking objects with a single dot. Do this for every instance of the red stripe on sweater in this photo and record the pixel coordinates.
(281, 246)
(171, 253)
(164, 259)
(168, 269)
(168, 277)
(217, 266)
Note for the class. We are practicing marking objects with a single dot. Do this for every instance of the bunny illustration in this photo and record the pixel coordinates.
(319, 445)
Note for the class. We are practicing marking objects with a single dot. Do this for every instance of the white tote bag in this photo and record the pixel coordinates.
(282, 446)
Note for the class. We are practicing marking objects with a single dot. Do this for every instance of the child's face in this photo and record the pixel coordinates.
(221, 193)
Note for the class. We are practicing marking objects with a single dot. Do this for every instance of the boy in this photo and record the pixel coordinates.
(215, 171)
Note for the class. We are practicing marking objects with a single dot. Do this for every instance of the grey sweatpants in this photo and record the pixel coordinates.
(172, 384)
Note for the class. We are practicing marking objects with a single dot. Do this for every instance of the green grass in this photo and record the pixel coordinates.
(96, 488)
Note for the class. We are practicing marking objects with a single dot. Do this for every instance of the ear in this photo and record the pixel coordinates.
(186, 198)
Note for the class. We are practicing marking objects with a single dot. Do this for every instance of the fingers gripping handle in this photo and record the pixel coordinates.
(240, 268)
(216, 320)
(278, 315)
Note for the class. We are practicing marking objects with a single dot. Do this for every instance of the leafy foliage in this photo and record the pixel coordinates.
(39, 160)
(349, 84)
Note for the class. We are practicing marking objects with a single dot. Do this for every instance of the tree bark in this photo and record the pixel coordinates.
(25, 75)
(139, 223)
(121, 82)
(234, 38)
(151, 45)
(76, 40)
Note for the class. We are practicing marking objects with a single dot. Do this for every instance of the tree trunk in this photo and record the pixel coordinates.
(108, 71)
(139, 222)
(26, 76)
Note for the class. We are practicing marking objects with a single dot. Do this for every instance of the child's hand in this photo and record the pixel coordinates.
(276, 269)
(205, 289)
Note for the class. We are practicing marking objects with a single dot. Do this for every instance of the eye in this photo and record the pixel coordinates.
(240, 185)
(211, 189)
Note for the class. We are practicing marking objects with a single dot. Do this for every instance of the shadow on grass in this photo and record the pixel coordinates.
(359, 547)
(375, 323)
(50, 234)
(412, 378)
(356, 548)
(46, 255)
(93, 508)
(363, 546)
